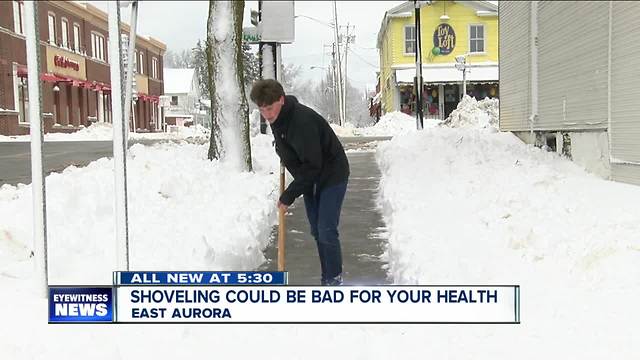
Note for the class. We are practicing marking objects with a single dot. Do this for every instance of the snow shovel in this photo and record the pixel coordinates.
(281, 227)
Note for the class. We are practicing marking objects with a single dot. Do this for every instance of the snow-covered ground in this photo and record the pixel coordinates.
(467, 205)
(104, 132)
(463, 205)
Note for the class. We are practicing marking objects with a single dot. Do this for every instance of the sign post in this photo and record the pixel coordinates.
(37, 171)
(274, 25)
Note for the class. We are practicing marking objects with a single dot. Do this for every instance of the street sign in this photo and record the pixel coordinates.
(251, 35)
(277, 24)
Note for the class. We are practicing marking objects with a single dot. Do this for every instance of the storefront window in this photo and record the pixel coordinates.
(431, 101)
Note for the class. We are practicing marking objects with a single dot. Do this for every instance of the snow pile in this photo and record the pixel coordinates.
(343, 131)
(194, 132)
(185, 212)
(95, 132)
(394, 123)
(482, 114)
(464, 206)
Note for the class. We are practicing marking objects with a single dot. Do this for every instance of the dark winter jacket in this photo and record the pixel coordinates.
(309, 149)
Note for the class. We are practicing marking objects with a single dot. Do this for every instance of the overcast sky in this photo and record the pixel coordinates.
(180, 24)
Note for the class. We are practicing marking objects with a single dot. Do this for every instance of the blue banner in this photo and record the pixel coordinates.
(81, 304)
(199, 278)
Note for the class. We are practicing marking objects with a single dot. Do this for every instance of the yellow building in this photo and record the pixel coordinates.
(448, 29)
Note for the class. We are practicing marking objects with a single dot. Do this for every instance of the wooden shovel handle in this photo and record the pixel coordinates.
(281, 226)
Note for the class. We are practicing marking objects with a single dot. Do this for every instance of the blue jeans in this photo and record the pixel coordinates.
(323, 211)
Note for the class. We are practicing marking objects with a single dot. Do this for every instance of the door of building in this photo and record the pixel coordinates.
(451, 96)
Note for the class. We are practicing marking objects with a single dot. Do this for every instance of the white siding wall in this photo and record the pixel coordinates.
(515, 64)
(625, 92)
(573, 79)
(572, 64)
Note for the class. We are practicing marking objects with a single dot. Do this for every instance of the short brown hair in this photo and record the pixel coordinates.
(266, 92)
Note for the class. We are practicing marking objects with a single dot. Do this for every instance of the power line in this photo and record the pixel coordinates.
(362, 59)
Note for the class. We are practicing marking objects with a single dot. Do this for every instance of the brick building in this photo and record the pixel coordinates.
(76, 89)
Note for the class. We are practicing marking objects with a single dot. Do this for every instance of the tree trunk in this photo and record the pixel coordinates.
(230, 137)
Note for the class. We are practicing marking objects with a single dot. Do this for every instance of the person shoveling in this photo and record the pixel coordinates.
(312, 153)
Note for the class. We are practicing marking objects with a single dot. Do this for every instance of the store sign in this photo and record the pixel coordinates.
(444, 38)
(64, 62)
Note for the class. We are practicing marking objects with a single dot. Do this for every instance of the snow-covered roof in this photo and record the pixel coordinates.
(178, 81)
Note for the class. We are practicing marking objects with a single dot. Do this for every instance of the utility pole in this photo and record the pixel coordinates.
(347, 40)
(336, 86)
(418, 81)
(339, 72)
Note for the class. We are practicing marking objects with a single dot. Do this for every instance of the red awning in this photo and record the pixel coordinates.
(22, 71)
(49, 78)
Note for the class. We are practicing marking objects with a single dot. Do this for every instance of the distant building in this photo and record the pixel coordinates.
(569, 76)
(181, 86)
(449, 29)
(76, 88)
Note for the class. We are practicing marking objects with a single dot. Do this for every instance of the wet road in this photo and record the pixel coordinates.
(15, 157)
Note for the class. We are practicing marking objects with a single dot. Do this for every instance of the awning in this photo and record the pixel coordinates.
(436, 75)
(22, 71)
(48, 77)
(54, 78)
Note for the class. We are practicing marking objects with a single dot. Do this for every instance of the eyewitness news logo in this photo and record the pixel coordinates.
(81, 304)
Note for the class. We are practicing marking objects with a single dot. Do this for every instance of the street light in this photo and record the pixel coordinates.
(316, 20)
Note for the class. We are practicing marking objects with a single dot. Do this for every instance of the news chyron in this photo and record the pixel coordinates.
(164, 297)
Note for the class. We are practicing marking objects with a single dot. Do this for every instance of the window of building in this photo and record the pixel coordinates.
(65, 33)
(141, 54)
(409, 39)
(154, 68)
(52, 28)
(23, 99)
(18, 17)
(97, 46)
(476, 38)
(76, 37)
(174, 100)
(135, 62)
